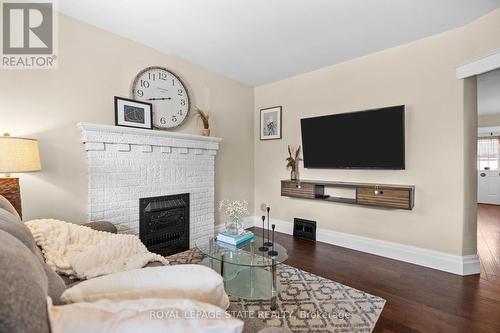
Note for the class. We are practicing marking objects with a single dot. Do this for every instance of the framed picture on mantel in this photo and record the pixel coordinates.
(270, 123)
(131, 113)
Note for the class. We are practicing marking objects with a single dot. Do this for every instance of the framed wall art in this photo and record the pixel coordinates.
(270, 123)
(132, 113)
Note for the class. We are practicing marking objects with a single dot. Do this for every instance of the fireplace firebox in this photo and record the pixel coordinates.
(164, 223)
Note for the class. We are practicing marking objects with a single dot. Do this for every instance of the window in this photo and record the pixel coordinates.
(488, 153)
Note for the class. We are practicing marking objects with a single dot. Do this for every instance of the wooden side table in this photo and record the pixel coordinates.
(9, 188)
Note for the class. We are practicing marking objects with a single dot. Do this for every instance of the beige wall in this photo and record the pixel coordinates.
(94, 66)
(439, 144)
(488, 120)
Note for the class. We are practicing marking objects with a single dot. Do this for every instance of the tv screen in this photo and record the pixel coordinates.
(373, 139)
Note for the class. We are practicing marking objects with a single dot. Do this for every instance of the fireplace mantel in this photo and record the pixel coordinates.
(127, 164)
(99, 133)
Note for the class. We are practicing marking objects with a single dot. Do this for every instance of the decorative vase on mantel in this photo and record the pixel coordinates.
(204, 118)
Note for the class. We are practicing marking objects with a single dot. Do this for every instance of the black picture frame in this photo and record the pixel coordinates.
(136, 119)
(279, 131)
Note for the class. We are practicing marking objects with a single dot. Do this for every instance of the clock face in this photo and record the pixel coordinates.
(167, 93)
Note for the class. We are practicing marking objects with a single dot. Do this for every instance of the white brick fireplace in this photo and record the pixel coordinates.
(126, 164)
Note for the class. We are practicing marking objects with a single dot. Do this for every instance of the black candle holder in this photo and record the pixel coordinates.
(268, 243)
(263, 248)
(273, 253)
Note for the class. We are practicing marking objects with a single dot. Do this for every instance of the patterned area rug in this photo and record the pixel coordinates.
(306, 303)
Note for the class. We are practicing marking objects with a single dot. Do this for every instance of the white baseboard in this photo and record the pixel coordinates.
(461, 265)
(247, 223)
(219, 228)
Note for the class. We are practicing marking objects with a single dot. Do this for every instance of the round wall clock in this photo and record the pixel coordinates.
(167, 93)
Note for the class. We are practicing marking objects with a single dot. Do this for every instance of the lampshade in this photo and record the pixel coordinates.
(19, 155)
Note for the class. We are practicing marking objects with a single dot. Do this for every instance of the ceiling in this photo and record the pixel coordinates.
(488, 93)
(260, 41)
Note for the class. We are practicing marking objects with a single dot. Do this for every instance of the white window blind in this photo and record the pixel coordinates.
(488, 153)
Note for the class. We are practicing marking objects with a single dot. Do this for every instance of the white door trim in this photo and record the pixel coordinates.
(483, 64)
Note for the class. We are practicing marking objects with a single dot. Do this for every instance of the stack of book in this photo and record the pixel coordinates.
(235, 240)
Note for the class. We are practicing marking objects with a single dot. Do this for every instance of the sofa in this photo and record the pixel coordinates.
(26, 280)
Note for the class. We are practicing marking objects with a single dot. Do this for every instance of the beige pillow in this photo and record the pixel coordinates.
(195, 282)
(149, 315)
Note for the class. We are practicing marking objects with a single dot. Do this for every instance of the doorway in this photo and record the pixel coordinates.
(488, 142)
(488, 173)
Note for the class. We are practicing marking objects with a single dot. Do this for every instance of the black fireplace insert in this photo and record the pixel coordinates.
(164, 223)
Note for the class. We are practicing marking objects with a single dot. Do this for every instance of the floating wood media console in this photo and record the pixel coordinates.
(378, 195)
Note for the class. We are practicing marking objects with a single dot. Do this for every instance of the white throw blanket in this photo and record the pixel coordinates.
(80, 251)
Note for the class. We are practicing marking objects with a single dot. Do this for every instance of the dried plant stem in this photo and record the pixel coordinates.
(293, 158)
(204, 118)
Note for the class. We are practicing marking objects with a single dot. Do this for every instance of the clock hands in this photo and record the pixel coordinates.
(158, 98)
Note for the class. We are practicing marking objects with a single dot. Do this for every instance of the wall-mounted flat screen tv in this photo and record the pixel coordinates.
(372, 139)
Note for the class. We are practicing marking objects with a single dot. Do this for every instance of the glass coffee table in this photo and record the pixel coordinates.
(249, 270)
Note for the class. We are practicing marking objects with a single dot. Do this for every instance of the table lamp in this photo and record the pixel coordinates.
(16, 155)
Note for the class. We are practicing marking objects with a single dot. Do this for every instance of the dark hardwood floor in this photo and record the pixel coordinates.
(418, 299)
